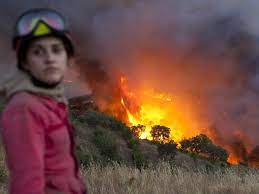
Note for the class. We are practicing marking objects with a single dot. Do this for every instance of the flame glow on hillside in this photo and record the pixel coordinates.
(148, 108)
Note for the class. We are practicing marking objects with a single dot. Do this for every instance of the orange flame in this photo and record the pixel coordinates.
(145, 110)
(148, 108)
(232, 159)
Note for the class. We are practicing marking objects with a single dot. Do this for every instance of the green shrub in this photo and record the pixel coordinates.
(85, 158)
(106, 144)
(138, 158)
(126, 132)
(133, 143)
(167, 150)
(102, 125)
(94, 118)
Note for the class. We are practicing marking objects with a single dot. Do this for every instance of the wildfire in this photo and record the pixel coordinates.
(156, 115)
(232, 159)
(148, 108)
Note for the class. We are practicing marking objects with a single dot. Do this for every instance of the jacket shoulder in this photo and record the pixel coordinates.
(24, 100)
(22, 103)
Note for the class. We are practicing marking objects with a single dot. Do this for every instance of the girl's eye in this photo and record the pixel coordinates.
(57, 49)
(37, 52)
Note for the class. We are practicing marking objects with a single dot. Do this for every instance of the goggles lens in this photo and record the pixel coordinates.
(27, 22)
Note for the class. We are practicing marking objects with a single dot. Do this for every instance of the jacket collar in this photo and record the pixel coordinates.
(22, 82)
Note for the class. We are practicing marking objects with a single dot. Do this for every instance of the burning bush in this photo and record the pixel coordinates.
(203, 146)
(160, 133)
(137, 130)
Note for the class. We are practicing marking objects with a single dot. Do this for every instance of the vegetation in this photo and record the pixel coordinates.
(103, 142)
(103, 127)
(137, 130)
(106, 143)
(167, 150)
(203, 146)
(165, 179)
(160, 133)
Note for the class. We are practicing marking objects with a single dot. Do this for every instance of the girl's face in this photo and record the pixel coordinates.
(47, 60)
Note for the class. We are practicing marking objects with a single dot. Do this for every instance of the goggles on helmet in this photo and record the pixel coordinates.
(30, 20)
(37, 23)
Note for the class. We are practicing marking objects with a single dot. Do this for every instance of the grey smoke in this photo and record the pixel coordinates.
(205, 51)
(210, 52)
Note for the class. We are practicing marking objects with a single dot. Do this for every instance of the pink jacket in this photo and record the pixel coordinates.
(38, 139)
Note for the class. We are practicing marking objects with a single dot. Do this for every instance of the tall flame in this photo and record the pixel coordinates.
(148, 108)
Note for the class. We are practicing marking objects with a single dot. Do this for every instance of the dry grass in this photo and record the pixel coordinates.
(119, 179)
(163, 180)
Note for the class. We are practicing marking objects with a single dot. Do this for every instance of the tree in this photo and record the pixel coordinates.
(160, 133)
(202, 145)
(137, 130)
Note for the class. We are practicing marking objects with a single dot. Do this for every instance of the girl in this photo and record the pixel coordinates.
(37, 134)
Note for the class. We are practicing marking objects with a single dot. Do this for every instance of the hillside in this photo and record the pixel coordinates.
(103, 138)
(113, 160)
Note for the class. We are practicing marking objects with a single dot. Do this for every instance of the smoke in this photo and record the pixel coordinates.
(206, 52)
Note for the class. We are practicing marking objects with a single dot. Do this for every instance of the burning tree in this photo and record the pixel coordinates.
(160, 133)
(137, 130)
(202, 145)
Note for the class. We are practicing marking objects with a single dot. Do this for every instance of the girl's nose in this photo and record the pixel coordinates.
(49, 57)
